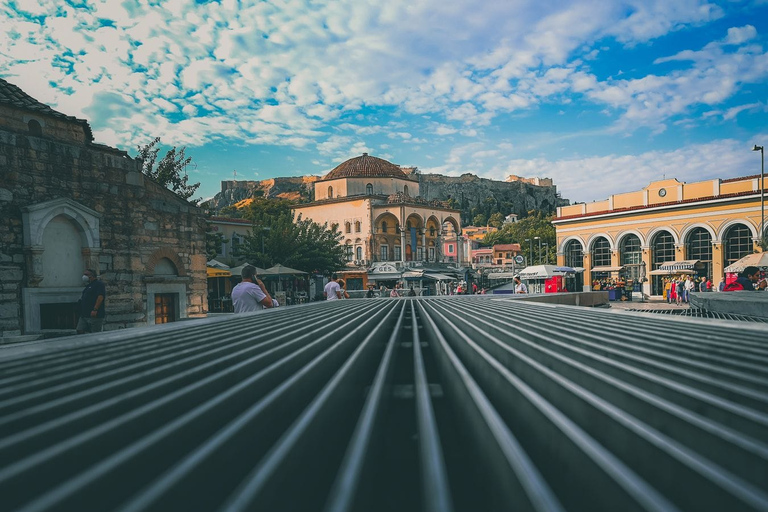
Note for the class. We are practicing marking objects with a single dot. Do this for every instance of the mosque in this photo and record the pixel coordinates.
(377, 207)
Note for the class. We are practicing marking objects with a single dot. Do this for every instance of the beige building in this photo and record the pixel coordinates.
(377, 208)
(666, 227)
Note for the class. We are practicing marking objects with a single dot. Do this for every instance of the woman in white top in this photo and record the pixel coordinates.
(519, 286)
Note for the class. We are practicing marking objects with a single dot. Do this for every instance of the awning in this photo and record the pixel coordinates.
(439, 277)
(668, 272)
(217, 272)
(607, 268)
(501, 275)
(759, 259)
(385, 276)
(217, 264)
(680, 265)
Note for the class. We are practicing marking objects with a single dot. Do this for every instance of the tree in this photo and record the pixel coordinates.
(479, 220)
(496, 220)
(535, 225)
(170, 171)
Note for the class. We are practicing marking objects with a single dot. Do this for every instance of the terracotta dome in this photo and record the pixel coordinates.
(366, 167)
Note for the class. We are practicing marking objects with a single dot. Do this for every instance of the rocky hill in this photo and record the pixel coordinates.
(469, 193)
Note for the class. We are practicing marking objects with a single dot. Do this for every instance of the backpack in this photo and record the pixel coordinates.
(733, 287)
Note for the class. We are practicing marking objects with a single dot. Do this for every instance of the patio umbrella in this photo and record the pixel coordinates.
(758, 259)
(281, 270)
(237, 271)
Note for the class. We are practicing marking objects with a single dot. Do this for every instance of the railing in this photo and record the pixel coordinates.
(453, 403)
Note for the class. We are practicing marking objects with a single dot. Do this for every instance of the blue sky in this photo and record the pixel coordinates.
(603, 97)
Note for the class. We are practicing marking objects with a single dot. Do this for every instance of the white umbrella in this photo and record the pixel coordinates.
(758, 259)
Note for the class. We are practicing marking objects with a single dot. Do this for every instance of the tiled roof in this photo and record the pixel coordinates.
(506, 247)
(12, 95)
(366, 166)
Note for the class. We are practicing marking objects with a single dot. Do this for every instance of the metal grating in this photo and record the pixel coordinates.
(701, 313)
(433, 404)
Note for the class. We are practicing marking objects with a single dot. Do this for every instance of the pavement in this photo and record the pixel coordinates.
(647, 304)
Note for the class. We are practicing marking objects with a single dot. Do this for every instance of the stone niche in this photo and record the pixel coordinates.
(61, 238)
(167, 285)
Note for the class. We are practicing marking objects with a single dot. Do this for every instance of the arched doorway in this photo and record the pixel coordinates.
(601, 257)
(574, 254)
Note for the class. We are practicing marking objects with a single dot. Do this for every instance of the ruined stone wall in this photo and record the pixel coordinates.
(139, 221)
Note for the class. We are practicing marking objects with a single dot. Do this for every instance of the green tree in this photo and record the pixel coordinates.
(479, 220)
(496, 220)
(535, 225)
(170, 171)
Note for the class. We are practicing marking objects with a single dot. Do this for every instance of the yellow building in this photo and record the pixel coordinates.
(378, 209)
(702, 227)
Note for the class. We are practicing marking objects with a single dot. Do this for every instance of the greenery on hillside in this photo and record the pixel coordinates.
(534, 225)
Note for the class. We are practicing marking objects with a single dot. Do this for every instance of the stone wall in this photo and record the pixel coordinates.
(139, 220)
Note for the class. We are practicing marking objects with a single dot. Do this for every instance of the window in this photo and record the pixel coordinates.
(738, 243)
(369, 189)
(601, 253)
(384, 226)
(348, 227)
(431, 254)
(398, 253)
(419, 253)
(348, 252)
(574, 254)
(358, 226)
(450, 248)
(384, 253)
(663, 247)
(35, 128)
(359, 253)
(631, 256)
(432, 231)
(405, 190)
(330, 192)
(698, 245)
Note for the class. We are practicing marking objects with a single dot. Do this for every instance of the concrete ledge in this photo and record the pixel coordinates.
(734, 303)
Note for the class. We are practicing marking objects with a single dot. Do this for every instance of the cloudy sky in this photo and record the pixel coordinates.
(604, 97)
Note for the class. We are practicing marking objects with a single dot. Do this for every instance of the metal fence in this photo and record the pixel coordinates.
(437, 404)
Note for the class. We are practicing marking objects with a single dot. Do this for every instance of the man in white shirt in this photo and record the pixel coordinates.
(689, 287)
(251, 294)
(332, 290)
(520, 286)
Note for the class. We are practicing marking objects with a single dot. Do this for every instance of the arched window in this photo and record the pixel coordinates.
(574, 254)
(348, 227)
(359, 252)
(358, 226)
(663, 247)
(369, 189)
(631, 256)
(432, 231)
(601, 253)
(738, 243)
(383, 226)
(35, 128)
(348, 251)
(698, 246)
(405, 190)
(330, 192)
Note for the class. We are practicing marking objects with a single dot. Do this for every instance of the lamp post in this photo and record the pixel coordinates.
(539, 239)
(762, 194)
(546, 253)
(530, 262)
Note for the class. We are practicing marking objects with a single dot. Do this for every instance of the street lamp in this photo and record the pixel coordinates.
(546, 253)
(539, 239)
(530, 262)
(762, 194)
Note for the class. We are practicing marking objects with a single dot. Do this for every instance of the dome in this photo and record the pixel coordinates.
(366, 167)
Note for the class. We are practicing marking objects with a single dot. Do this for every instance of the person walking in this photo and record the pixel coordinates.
(332, 290)
(91, 307)
(250, 294)
(520, 286)
(689, 287)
